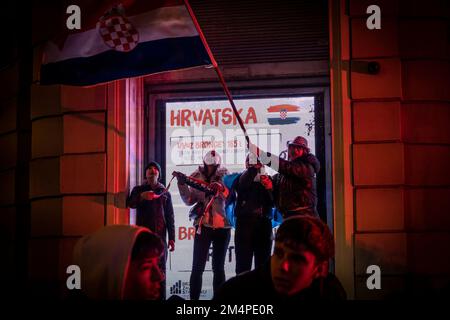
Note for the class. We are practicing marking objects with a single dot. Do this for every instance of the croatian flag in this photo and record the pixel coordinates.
(283, 114)
(125, 40)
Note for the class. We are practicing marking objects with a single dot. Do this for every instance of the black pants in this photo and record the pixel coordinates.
(253, 237)
(220, 238)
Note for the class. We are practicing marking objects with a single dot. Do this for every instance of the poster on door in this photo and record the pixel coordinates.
(195, 127)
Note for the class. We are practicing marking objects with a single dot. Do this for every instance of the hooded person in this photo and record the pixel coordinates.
(154, 209)
(294, 186)
(120, 262)
(211, 222)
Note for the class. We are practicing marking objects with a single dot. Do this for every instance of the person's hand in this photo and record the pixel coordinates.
(266, 182)
(253, 161)
(171, 245)
(148, 195)
(181, 178)
(216, 187)
(253, 148)
(257, 165)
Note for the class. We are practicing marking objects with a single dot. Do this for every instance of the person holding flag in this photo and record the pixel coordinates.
(294, 186)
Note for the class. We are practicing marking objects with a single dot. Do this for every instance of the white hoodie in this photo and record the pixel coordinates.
(104, 259)
(191, 196)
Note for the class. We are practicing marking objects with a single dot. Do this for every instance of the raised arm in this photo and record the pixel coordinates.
(188, 194)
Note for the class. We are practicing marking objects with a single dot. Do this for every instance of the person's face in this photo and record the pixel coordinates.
(293, 268)
(152, 174)
(295, 152)
(210, 169)
(144, 279)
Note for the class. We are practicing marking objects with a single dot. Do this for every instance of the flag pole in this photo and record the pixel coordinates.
(216, 67)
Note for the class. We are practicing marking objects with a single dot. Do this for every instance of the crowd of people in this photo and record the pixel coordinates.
(297, 270)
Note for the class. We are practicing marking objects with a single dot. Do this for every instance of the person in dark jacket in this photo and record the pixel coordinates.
(297, 271)
(253, 235)
(294, 186)
(154, 210)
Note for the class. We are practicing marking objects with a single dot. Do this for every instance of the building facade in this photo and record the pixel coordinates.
(71, 154)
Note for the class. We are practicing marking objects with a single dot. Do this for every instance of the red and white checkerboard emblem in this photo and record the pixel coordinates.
(283, 114)
(118, 33)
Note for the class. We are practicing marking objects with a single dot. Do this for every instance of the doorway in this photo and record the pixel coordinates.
(182, 127)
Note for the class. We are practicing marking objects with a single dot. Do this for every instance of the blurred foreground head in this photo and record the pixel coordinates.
(120, 262)
(303, 247)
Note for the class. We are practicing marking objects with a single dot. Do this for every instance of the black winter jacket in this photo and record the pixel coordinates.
(257, 286)
(253, 200)
(157, 214)
(294, 187)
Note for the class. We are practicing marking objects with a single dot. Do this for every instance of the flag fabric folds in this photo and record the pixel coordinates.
(144, 38)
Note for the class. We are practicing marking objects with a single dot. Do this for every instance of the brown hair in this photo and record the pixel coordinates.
(147, 243)
(310, 232)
